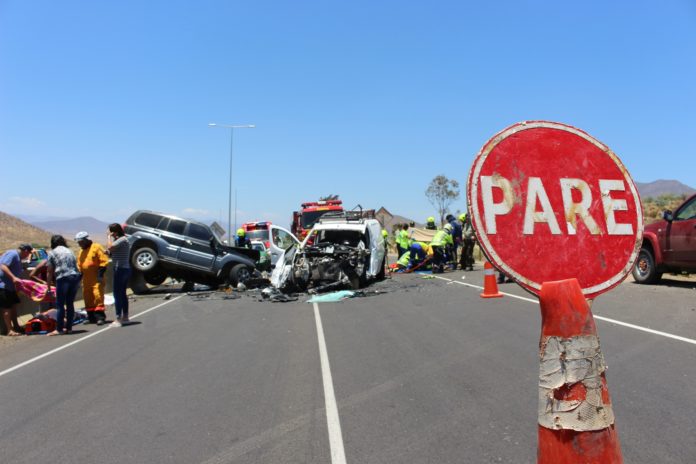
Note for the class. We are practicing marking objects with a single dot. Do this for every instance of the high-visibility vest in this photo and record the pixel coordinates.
(441, 238)
(404, 260)
(403, 239)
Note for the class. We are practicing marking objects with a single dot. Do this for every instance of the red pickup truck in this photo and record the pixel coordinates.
(669, 245)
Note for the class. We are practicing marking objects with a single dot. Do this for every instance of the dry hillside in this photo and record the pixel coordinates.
(14, 231)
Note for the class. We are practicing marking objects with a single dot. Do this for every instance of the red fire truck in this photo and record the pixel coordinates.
(304, 219)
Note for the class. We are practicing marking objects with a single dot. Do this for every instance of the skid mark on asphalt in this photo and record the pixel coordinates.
(601, 318)
(79, 340)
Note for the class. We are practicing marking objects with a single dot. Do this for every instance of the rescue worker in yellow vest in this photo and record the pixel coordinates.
(439, 244)
(396, 230)
(402, 263)
(403, 239)
(385, 237)
(430, 223)
(419, 252)
(242, 241)
(92, 262)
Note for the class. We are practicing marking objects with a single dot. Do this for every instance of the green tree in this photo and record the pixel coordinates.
(441, 193)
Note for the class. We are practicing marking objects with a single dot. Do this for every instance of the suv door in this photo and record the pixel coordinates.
(680, 237)
(171, 231)
(195, 250)
(281, 240)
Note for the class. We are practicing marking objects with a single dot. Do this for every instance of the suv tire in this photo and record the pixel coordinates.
(155, 277)
(644, 271)
(137, 283)
(239, 273)
(144, 259)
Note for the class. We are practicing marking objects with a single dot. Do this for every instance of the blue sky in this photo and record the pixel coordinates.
(104, 106)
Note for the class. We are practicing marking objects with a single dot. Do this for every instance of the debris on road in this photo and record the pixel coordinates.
(332, 297)
(276, 296)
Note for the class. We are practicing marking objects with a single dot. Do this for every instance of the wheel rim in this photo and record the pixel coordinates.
(144, 260)
(643, 265)
(243, 275)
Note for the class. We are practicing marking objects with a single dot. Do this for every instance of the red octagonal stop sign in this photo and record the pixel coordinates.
(550, 202)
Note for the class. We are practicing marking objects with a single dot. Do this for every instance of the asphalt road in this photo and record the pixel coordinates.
(424, 372)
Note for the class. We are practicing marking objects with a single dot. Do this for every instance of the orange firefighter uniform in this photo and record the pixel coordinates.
(89, 262)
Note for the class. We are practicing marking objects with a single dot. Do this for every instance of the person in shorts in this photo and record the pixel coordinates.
(10, 272)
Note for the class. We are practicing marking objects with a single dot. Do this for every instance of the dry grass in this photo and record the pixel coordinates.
(653, 207)
(14, 231)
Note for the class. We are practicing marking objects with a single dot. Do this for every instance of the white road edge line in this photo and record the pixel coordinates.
(79, 340)
(601, 318)
(333, 423)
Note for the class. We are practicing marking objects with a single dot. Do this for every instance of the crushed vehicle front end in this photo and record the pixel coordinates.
(325, 264)
(330, 257)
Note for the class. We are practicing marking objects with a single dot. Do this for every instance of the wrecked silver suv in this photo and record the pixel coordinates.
(343, 250)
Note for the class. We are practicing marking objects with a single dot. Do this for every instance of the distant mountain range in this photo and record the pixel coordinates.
(663, 187)
(69, 227)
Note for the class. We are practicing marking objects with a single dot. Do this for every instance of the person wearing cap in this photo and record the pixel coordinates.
(430, 223)
(92, 262)
(468, 241)
(10, 272)
(241, 239)
(62, 265)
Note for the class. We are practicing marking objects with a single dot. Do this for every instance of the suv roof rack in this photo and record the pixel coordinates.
(342, 216)
(357, 215)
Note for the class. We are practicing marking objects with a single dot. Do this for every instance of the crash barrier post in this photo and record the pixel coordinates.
(576, 421)
(490, 285)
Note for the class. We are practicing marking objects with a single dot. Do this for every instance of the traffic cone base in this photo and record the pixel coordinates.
(490, 285)
(576, 420)
(569, 446)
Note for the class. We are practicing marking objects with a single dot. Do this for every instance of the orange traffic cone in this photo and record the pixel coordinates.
(490, 286)
(576, 420)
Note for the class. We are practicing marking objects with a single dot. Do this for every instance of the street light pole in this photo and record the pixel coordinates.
(231, 127)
